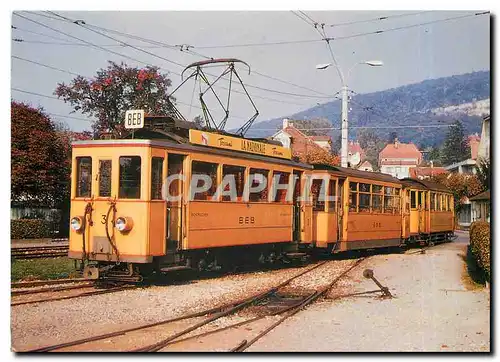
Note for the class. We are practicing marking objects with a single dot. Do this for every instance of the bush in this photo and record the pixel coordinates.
(29, 229)
(480, 245)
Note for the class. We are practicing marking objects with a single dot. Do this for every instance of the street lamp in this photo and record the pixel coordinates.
(345, 122)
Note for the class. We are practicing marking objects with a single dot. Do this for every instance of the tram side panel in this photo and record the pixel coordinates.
(215, 224)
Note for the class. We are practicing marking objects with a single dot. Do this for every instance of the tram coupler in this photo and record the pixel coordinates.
(368, 274)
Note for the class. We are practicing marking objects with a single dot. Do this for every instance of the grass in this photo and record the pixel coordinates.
(50, 268)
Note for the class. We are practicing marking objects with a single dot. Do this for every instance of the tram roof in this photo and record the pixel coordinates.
(193, 148)
(427, 185)
(346, 171)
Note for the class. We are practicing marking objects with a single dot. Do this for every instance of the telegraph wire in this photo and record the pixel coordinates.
(85, 41)
(317, 40)
(44, 65)
(39, 34)
(134, 59)
(188, 48)
(378, 19)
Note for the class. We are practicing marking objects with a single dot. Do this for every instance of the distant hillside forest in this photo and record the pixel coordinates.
(410, 105)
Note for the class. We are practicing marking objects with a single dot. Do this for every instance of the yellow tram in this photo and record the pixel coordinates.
(430, 212)
(158, 200)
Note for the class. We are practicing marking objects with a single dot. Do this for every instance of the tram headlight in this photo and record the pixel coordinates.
(124, 224)
(77, 223)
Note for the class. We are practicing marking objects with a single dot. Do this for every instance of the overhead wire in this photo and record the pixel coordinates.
(188, 48)
(379, 18)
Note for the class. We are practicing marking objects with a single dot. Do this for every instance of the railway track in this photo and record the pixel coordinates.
(73, 285)
(274, 306)
(36, 252)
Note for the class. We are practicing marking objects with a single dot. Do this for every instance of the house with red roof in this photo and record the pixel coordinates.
(423, 173)
(397, 158)
(355, 154)
(302, 145)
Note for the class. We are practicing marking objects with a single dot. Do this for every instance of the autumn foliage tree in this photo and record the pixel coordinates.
(39, 158)
(461, 185)
(113, 91)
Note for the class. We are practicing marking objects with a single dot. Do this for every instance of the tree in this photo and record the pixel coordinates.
(337, 145)
(461, 185)
(456, 147)
(392, 137)
(199, 121)
(318, 156)
(113, 91)
(39, 159)
(484, 172)
(372, 145)
(310, 126)
(434, 155)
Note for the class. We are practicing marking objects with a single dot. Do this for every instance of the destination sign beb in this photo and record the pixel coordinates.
(238, 144)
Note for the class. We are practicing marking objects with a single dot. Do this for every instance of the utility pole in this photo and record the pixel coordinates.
(345, 127)
(345, 103)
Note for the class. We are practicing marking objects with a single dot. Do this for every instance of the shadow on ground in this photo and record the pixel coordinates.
(475, 273)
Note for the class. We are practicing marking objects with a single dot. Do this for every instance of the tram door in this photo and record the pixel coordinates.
(296, 206)
(340, 209)
(175, 202)
(422, 198)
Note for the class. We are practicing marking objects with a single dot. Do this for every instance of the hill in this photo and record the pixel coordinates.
(434, 101)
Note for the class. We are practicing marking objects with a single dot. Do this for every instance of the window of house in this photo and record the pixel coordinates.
(332, 192)
(353, 196)
(156, 177)
(280, 178)
(206, 169)
(238, 173)
(84, 176)
(130, 177)
(259, 177)
(104, 178)
(318, 196)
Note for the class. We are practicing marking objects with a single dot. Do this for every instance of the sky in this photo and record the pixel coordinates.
(410, 54)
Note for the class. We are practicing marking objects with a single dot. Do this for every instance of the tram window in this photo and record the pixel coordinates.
(207, 169)
(413, 199)
(438, 204)
(104, 178)
(239, 180)
(421, 200)
(377, 198)
(433, 201)
(332, 192)
(318, 198)
(130, 177)
(353, 197)
(84, 176)
(397, 203)
(388, 190)
(280, 178)
(156, 175)
(364, 187)
(364, 202)
(258, 177)
(388, 204)
(377, 203)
